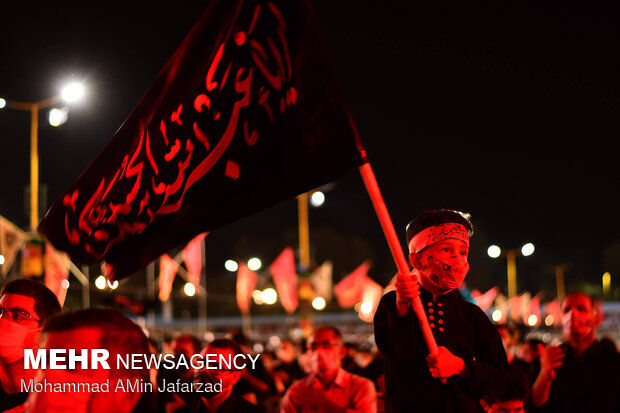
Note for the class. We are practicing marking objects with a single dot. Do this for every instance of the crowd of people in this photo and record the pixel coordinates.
(478, 366)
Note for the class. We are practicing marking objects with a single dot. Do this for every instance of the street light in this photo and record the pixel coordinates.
(511, 257)
(70, 93)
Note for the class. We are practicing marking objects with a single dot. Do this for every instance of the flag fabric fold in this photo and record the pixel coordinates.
(192, 256)
(370, 297)
(484, 301)
(167, 271)
(321, 280)
(246, 281)
(349, 290)
(247, 112)
(11, 239)
(285, 278)
(56, 272)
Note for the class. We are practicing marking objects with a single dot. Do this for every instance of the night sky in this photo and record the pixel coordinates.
(505, 109)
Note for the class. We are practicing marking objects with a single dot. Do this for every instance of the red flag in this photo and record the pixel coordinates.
(11, 239)
(553, 309)
(321, 280)
(246, 281)
(501, 304)
(533, 311)
(349, 290)
(167, 271)
(192, 255)
(247, 112)
(371, 294)
(484, 301)
(515, 308)
(285, 277)
(56, 272)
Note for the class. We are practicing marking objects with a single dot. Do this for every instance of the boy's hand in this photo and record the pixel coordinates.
(407, 288)
(445, 364)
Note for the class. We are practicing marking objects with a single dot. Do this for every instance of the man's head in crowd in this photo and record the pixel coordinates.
(24, 306)
(94, 329)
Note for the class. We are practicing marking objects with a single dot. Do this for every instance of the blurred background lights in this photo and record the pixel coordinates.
(366, 307)
(318, 303)
(65, 284)
(1, 259)
(496, 315)
(231, 265)
(58, 116)
(2, 103)
(270, 296)
(72, 92)
(527, 249)
(317, 198)
(532, 320)
(254, 264)
(494, 251)
(189, 289)
(257, 296)
(113, 285)
(100, 282)
(549, 320)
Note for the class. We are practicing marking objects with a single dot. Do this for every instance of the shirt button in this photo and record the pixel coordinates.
(431, 317)
(441, 329)
(440, 312)
(440, 304)
(432, 325)
(430, 304)
(440, 321)
(430, 310)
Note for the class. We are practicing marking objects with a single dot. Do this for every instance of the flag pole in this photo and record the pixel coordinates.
(399, 257)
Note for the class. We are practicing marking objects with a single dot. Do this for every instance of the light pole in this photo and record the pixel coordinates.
(70, 93)
(511, 263)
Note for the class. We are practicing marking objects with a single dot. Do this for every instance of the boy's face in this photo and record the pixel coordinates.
(442, 265)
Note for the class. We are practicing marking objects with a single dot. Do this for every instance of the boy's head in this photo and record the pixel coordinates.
(509, 395)
(438, 243)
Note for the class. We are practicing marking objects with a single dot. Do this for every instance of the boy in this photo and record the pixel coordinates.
(510, 395)
(471, 357)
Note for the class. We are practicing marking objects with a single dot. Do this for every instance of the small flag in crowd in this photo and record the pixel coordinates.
(192, 256)
(56, 272)
(349, 290)
(321, 280)
(11, 239)
(285, 277)
(167, 271)
(246, 281)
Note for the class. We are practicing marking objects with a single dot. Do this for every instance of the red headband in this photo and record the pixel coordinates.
(438, 233)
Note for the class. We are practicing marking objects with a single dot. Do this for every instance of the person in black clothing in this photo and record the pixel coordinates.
(581, 375)
(471, 357)
(228, 399)
(510, 395)
(185, 345)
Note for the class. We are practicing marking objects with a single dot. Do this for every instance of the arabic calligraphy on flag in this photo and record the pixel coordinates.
(247, 112)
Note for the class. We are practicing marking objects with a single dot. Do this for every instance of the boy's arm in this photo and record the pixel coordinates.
(393, 332)
(490, 363)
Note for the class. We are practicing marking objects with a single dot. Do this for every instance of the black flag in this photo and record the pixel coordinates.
(247, 112)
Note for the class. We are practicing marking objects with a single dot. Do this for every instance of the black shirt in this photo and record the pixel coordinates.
(11, 400)
(587, 384)
(461, 327)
